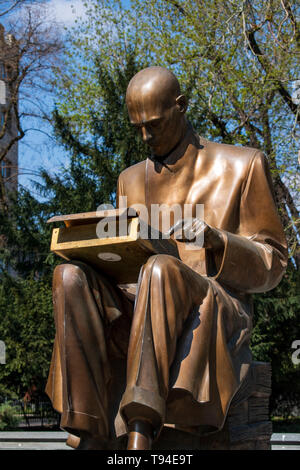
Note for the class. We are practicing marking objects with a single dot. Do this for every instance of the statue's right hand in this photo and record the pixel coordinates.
(188, 230)
(196, 230)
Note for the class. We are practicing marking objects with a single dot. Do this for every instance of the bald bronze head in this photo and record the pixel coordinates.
(157, 108)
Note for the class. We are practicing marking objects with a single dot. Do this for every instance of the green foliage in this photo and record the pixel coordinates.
(8, 417)
(276, 326)
(27, 329)
(25, 234)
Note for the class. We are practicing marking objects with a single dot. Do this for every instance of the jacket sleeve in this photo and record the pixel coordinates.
(254, 258)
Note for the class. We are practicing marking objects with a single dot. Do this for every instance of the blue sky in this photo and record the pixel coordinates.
(37, 149)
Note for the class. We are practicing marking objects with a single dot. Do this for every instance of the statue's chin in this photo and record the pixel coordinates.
(157, 150)
(161, 152)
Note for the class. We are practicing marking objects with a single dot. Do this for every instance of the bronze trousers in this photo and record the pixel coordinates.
(95, 322)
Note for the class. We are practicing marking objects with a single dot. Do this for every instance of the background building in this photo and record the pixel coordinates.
(9, 165)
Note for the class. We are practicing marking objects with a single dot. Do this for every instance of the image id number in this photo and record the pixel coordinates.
(174, 459)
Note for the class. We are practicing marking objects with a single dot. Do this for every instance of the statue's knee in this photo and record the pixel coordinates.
(69, 277)
(159, 265)
(163, 267)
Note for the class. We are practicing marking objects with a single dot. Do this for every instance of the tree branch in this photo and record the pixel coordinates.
(287, 7)
(254, 47)
(8, 10)
(177, 6)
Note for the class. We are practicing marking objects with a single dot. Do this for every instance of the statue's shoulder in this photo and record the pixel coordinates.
(233, 154)
(133, 172)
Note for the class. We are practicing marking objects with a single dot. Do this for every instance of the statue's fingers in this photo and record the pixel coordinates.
(175, 227)
(202, 235)
(188, 231)
(198, 225)
(195, 227)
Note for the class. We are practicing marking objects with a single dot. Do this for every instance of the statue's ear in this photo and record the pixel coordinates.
(182, 103)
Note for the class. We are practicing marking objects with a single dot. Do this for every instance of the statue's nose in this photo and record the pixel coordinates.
(146, 134)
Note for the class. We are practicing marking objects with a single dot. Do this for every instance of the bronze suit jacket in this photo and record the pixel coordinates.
(235, 187)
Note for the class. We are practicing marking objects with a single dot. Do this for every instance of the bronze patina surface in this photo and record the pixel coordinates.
(186, 336)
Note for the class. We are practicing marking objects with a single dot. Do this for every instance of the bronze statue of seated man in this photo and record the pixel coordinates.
(186, 333)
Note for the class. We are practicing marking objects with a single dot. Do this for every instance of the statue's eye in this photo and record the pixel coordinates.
(155, 124)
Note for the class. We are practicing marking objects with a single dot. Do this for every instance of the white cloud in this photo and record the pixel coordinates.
(66, 11)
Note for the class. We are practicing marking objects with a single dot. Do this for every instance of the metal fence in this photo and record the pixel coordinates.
(35, 414)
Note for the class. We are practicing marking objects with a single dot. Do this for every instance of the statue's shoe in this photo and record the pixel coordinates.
(73, 441)
(89, 442)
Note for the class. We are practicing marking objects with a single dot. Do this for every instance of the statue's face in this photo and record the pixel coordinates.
(160, 122)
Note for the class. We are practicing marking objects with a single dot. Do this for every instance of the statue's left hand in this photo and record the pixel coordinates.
(189, 230)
